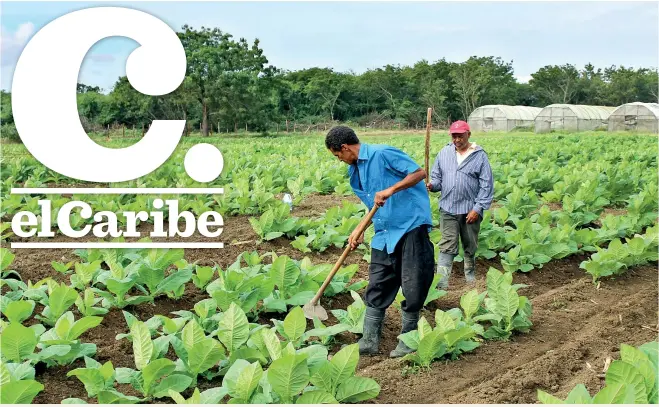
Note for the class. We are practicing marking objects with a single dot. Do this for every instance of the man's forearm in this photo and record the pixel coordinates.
(409, 181)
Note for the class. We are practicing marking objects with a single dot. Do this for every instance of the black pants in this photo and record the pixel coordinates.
(411, 266)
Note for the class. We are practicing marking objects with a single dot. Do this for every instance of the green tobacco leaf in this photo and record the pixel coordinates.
(288, 376)
(443, 322)
(429, 346)
(322, 378)
(357, 389)
(154, 371)
(652, 350)
(247, 380)
(316, 397)
(142, 344)
(546, 398)
(316, 356)
(579, 395)
(423, 327)
(17, 342)
(175, 382)
(615, 394)
(20, 392)
(272, 235)
(83, 325)
(176, 396)
(61, 299)
(19, 371)
(73, 400)
(213, 396)
(295, 324)
(642, 363)
(326, 331)
(455, 336)
(174, 281)
(284, 272)
(6, 258)
(469, 303)
(300, 298)
(192, 335)
(272, 344)
(623, 373)
(5, 376)
(204, 355)
(19, 311)
(411, 339)
(233, 329)
(91, 378)
(114, 397)
(507, 303)
(344, 363)
(231, 377)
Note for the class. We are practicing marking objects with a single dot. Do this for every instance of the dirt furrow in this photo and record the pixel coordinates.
(573, 324)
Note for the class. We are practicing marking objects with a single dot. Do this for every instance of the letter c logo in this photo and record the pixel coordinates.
(44, 93)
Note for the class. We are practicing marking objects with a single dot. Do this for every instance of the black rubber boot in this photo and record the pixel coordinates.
(469, 269)
(410, 320)
(369, 344)
(444, 266)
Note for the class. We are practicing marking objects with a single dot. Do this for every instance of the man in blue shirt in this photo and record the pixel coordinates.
(402, 255)
(463, 174)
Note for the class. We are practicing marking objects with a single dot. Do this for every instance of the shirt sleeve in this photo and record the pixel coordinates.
(436, 176)
(486, 188)
(397, 161)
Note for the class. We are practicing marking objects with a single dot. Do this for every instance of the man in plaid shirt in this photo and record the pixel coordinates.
(463, 174)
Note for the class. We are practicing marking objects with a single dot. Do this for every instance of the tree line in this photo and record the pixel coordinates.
(230, 86)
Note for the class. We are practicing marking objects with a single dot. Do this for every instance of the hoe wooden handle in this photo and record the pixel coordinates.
(428, 126)
(360, 229)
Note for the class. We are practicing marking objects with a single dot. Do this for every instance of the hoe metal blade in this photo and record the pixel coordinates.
(311, 311)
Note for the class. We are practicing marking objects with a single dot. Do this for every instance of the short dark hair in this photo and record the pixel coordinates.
(340, 135)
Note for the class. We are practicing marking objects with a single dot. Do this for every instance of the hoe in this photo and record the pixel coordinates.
(313, 309)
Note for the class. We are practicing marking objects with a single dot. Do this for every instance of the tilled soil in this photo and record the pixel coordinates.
(574, 323)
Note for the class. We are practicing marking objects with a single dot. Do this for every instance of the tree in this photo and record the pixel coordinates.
(6, 116)
(591, 87)
(220, 70)
(325, 87)
(631, 85)
(471, 81)
(555, 84)
(82, 88)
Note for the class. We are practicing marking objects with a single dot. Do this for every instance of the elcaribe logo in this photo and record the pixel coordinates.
(45, 81)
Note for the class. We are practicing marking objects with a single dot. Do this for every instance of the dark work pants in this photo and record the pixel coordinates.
(411, 266)
(454, 227)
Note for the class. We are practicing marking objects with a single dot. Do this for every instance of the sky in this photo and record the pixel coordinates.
(357, 36)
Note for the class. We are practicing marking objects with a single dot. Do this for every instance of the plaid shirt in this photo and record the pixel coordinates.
(464, 187)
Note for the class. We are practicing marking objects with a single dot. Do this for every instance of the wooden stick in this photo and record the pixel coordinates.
(360, 229)
(428, 126)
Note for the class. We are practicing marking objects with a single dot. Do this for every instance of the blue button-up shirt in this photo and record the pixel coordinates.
(379, 167)
(464, 187)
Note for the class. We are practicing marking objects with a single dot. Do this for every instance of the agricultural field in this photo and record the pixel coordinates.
(565, 297)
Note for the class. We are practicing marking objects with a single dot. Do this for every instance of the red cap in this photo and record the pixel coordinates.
(459, 127)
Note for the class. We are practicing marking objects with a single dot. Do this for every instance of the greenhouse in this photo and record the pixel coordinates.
(635, 116)
(502, 117)
(572, 118)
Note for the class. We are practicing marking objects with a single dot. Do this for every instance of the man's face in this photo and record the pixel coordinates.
(460, 140)
(344, 154)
